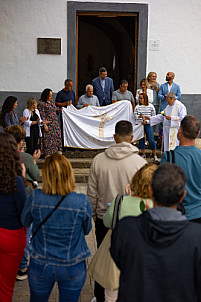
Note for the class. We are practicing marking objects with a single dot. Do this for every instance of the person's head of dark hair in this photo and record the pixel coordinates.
(123, 128)
(67, 81)
(45, 94)
(123, 132)
(123, 82)
(7, 107)
(9, 163)
(102, 69)
(145, 97)
(17, 131)
(168, 185)
(190, 127)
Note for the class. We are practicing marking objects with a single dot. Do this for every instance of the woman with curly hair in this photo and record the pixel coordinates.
(12, 199)
(51, 139)
(8, 115)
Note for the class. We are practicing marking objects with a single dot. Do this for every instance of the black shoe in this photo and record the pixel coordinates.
(21, 275)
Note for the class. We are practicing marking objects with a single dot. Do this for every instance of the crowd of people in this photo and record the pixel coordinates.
(155, 243)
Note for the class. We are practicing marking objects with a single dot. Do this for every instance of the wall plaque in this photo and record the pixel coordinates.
(49, 46)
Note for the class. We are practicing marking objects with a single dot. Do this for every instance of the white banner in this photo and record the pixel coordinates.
(93, 127)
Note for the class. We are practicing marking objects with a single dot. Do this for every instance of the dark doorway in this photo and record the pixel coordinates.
(108, 40)
(118, 23)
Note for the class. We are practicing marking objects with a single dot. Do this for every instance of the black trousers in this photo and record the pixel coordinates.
(32, 143)
(101, 231)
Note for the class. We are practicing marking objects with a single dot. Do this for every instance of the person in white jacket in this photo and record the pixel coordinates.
(32, 126)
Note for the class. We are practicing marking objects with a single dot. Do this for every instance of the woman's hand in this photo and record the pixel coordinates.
(23, 170)
(23, 119)
(36, 155)
(128, 189)
(46, 128)
(144, 123)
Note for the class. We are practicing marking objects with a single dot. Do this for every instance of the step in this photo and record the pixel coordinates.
(81, 175)
(76, 163)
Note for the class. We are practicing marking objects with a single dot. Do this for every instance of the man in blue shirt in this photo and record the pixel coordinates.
(66, 96)
(103, 87)
(188, 157)
(167, 87)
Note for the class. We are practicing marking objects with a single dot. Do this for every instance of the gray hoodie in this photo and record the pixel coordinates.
(110, 172)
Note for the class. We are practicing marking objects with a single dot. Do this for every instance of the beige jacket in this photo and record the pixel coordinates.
(110, 172)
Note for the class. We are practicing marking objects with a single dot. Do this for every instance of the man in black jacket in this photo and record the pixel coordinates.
(159, 252)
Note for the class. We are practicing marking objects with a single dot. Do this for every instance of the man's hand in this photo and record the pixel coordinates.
(36, 155)
(168, 117)
(140, 116)
(147, 118)
(86, 105)
(68, 103)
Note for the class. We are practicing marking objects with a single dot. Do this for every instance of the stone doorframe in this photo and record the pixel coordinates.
(75, 6)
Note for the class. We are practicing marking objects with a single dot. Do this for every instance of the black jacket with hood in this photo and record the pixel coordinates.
(160, 261)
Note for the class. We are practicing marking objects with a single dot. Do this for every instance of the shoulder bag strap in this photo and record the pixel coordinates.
(117, 204)
(173, 156)
(48, 216)
(168, 156)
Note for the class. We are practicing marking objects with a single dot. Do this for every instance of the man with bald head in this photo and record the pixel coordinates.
(171, 119)
(88, 98)
(167, 87)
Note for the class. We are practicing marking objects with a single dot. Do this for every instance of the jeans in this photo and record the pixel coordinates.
(24, 262)
(42, 278)
(150, 137)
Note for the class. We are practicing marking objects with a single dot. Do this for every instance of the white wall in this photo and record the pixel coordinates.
(176, 24)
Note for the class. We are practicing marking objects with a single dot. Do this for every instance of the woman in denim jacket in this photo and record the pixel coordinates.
(59, 250)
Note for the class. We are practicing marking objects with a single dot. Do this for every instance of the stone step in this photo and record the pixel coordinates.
(82, 174)
(76, 163)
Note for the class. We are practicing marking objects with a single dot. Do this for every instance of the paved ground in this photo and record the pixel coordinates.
(21, 291)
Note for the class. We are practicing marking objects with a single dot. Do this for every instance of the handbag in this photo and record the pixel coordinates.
(102, 268)
(47, 217)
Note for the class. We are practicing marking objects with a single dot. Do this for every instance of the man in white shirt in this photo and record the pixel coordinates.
(171, 118)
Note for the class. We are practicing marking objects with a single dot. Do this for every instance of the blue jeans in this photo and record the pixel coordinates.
(42, 278)
(24, 262)
(150, 136)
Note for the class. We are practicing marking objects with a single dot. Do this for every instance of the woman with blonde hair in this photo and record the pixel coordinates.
(32, 126)
(144, 89)
(132, 205)
(61, 218)
(154, 86)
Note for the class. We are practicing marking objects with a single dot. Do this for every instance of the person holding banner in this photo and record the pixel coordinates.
(51, 139)
(88, 98)
(123, 94)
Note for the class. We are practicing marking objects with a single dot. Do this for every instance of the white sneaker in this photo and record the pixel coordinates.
(93, 299)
